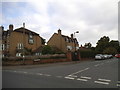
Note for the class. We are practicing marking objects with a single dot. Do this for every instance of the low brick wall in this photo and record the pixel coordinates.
(30, 59)
(30, 62)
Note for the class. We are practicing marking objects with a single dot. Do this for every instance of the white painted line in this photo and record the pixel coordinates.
(101, 82)
(39, 74)
(96, 65)
(82, 79)
(69, 78)
(105, 80)
(46, 75)
(25, 72)
(80, 71)
(14, 71)
(85, 77)
(118, 85)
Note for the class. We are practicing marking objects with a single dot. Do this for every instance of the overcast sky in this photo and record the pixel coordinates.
(92, 18)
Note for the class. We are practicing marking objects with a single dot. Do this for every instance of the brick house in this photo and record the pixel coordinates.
(64, 43)
(20, 41)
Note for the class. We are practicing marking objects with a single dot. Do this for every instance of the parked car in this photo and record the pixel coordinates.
(99, 57)
(117, 55)
(106, 56)
(110, 56)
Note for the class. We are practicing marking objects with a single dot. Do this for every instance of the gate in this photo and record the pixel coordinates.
(75, 56)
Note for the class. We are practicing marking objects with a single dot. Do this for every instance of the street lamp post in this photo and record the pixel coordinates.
(74, 38)
(24, 44)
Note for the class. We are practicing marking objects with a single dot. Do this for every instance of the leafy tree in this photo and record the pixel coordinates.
(47, 50)
(110, 50)
(51, 50)
(102, 44)
(115, 44)
(88, 45)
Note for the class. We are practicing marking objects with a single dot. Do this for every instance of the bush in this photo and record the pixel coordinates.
(87, 54)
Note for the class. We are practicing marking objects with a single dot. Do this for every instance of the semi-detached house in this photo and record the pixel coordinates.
(16, 42)
(64, 43)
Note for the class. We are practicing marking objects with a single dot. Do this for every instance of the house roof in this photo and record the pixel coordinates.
(27, 31)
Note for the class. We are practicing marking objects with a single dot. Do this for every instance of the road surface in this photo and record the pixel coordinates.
(87, 74)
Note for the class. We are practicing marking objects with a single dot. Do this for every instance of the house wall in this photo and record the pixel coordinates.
(17, 37)
(59, 41)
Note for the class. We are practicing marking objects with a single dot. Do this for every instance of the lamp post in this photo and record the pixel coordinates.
(74, 38)
(24, 44)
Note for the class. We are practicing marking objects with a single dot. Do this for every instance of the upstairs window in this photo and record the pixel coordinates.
(30, 39)
(20, 46)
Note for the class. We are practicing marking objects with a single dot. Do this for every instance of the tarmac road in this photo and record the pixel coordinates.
(87, 74)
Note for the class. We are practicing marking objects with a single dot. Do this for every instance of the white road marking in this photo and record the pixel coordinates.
(39, 74)
(104, 80)
(118, 85)
(101, 82)
(72, 76)
(69, 78)
(80, 71)
(96, 65)
(25, 72)
(46, 75)
(85, 77)
(82, 79)
(14, 71)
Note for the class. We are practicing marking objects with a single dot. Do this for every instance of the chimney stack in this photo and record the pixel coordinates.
(2, 28)
(72, 36)
(59, 32)
(11, 27)
(24, 25)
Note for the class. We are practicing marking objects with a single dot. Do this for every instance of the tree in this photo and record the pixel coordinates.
(102, 44)
(88, 45)
(110, 50)
(115, 44)
(47, 50)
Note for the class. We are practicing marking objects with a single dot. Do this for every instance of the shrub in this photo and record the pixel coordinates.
(87, 53)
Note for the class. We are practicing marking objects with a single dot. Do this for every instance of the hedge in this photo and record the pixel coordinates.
(87, 54)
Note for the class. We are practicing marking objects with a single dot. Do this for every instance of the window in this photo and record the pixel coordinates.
(77, 48)
(66, 39)
(69, 48)
(30, 36)
(18, 54)
(3, 46)
(30, 39)
(20, 46)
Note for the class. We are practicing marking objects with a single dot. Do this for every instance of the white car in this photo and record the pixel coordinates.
(99, 57)
(106, 56)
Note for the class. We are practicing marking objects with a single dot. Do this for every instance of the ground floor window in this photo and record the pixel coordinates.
(18, 54)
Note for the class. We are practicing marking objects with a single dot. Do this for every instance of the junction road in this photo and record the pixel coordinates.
(87, 74)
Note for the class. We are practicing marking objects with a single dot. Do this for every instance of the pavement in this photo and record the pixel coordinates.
(45, 64)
